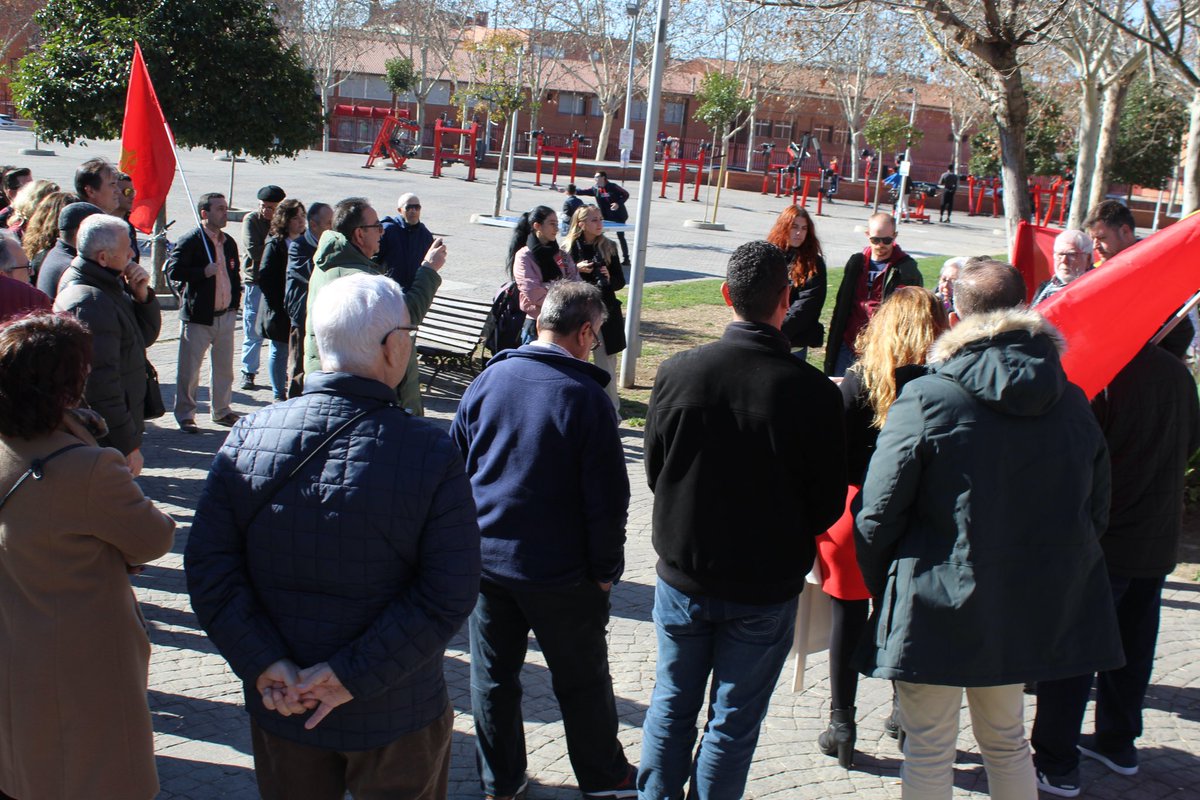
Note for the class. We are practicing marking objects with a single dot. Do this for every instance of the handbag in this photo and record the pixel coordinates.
(37, 470)
(153, 406)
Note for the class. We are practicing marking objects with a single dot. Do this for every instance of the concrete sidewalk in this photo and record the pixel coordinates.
(202, 736)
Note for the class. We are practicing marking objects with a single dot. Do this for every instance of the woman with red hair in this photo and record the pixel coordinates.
(794, 233)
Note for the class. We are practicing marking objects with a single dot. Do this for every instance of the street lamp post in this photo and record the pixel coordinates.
(633, 9)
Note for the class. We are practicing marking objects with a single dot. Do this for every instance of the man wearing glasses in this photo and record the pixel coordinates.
(1072, 258)
(349, 249)
(125, 195)
(870, 278)
(405, 242)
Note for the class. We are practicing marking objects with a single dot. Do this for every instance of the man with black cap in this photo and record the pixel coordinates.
(59, 258)
(255, 227)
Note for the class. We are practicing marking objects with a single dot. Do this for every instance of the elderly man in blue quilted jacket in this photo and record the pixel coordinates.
(334, 552)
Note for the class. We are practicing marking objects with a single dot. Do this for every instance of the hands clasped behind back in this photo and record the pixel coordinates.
(289, 690)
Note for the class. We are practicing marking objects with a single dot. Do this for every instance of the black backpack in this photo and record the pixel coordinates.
(507, 319)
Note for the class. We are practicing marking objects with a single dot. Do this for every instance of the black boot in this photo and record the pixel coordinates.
(838, 739)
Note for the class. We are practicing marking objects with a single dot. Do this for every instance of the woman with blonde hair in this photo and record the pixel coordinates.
(794, 234)
(894, 347)
(26, 202)
(42, 231)
(595, 257)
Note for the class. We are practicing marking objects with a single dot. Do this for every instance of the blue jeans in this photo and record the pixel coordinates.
(570, 624)
(845, 360)
(252, 342)
(277, 362)
(744, 647)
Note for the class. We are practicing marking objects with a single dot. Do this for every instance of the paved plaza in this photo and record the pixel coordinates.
(202, 736)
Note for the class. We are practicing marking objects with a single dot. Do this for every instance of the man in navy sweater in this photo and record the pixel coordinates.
(548, 475)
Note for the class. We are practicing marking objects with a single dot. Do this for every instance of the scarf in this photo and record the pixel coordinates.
(547, 256)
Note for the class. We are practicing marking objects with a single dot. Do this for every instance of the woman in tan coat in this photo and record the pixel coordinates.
(74, 656)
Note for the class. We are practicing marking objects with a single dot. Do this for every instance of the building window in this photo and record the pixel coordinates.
(841, 136)
(673, 113)
(439, 95)
(571, 103)
(783, 130)
(823, 134)
(594, 108)
(638, 111)
(762, 128)
(366, 87)
(545, 50)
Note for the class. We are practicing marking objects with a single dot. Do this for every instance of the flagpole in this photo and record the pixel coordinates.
(187, 189)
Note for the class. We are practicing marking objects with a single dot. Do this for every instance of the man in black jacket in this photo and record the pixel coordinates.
(870, 278)
(745, 453)
(1151, 421)
(59, 259)
(205, 262)
(405, 241)
(112, 295)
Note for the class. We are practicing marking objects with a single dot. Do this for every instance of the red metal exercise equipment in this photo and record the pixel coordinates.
(449, 156)
(802, 194)
(1052, 195)
(571, 150)
(683, 164)
(975, 201)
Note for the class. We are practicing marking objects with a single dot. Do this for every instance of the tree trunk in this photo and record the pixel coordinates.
(1012, 120)
(1085, 162)
(605, 132)
(420, 117)
(854, 156)
(750, 145)
(1110, 125)
(1191, 164)
(326, 128)
(500, 168)
(533, 126)
(958, 140)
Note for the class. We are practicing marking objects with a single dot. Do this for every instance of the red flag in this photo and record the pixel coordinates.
(1033, 255)
(147, 154)
(1109, 313)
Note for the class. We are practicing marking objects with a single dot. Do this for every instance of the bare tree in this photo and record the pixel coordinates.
(966, 110)
(428, 33)
(543, 49)
(326, 33)
(1170, 31)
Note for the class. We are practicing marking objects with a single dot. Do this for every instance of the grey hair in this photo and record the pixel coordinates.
(350, 318)
(7, 264)
(1082, 242)
(100, 233)
(955, 264)
(569, 304)
(404, 199)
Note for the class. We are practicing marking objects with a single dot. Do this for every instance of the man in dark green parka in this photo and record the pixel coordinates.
(979, 537)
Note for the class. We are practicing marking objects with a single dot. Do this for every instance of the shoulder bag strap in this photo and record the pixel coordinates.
(269, 495)
(37, 469)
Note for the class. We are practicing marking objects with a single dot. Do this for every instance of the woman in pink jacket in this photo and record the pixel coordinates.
(535, 261)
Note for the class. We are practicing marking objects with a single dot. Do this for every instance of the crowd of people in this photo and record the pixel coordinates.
(980, 526)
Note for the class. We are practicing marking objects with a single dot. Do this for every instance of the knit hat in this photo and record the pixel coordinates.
(75, 213)
(271, 194)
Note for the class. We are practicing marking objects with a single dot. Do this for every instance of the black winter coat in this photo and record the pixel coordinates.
(186, 266)
(802, 325)
(1151, 421)
(368, 559)
(981, 518)
(613, 330)
(273, 321)
(122, 329)
(299, 270)
(746, 455)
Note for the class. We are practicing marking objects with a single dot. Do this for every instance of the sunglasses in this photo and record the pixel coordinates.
(881, 239)
(376, 225)
(412, 332)
(412, 206)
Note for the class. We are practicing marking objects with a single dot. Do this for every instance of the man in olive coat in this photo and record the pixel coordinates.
(979, 535)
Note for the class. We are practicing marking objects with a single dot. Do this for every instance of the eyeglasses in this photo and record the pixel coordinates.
(412, 207)
(595, 339)
(412, 332)
(881, 239)
(375, 225)
(1071, 254)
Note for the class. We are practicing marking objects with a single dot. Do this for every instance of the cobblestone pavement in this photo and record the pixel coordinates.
(202, 737)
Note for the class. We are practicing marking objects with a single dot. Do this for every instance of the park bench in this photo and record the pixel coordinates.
(452, 332)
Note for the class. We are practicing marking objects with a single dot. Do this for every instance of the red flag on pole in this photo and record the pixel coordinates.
(1109, 313)
(147, 154)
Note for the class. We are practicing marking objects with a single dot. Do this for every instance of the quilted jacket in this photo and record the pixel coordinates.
(368, 559)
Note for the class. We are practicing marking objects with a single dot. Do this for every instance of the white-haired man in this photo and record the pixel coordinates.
(946, 279)
(1072, 258)
(110, 293)
(346, 615)
(406, 241)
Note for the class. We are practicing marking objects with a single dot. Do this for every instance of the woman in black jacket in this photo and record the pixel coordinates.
(794, 233)
(596, 259)
(894, 347)
(274, 325)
